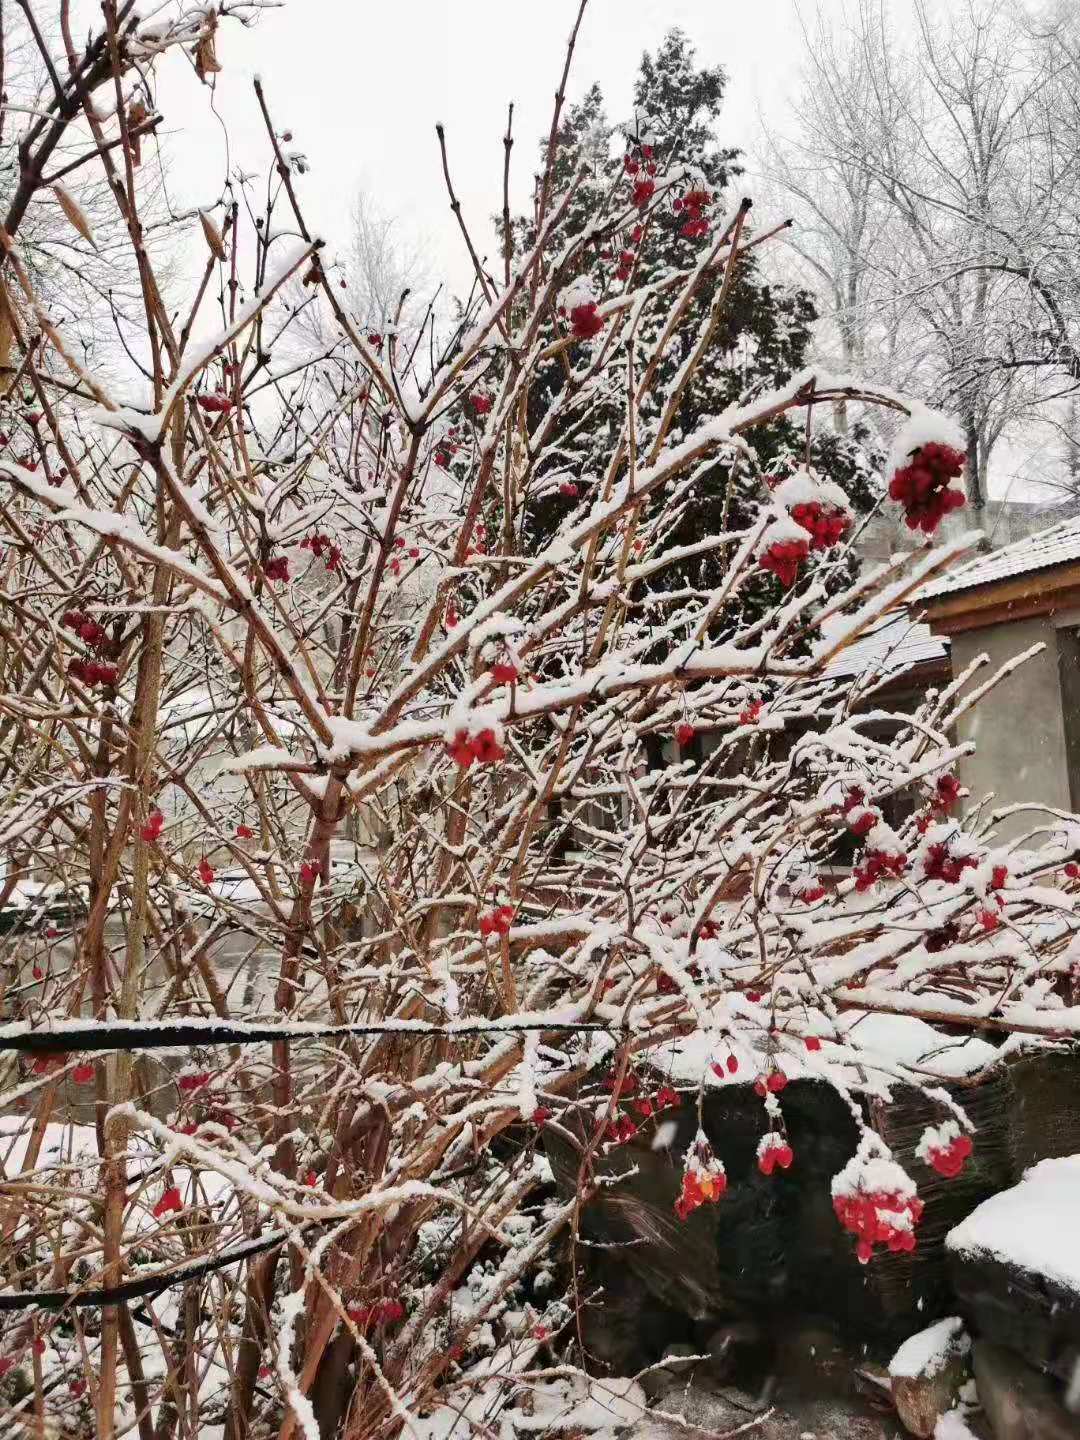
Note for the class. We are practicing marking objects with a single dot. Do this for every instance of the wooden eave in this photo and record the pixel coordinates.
(1040, 592)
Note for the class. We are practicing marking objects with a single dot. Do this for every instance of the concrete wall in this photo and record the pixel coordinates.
(1020, 727)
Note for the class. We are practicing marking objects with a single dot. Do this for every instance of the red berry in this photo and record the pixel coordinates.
(170, 1200)
(684, 733)
(215, 402)
(585, 321)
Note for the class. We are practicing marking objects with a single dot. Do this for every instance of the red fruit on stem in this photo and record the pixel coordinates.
(684, 733)
(585, 322)
(487, 748)
(644, 190)
(170, 1200)
(783, 559)
(922, 486)
(215, 402)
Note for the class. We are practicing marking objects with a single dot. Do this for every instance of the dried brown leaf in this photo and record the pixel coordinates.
(213, 236)
(206, 61)
(137, 113)
(74, 214)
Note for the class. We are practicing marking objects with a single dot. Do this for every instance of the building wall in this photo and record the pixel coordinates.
(1019, 728)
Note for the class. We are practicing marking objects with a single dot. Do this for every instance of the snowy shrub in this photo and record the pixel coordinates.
(357, 830)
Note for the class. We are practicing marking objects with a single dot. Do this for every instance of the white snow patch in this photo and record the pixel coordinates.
(1032, 1225)
(927, 1352)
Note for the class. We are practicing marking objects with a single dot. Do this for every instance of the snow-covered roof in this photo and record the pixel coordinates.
(897, 645)
(1056, 545)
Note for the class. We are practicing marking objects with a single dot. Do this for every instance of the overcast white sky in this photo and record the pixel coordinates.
(361, 86)
(362, 83)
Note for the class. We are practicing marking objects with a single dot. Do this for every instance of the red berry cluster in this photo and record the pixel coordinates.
(620, 1130)
(644, 190)
(244, 832)
(504, 672)
(585, 321)
(88, 630)
(704, 1181)
(693, 205)
(569, 489)
(91, 673)
(947, 791)
(277, 568)
(684, 733)
(770, 1084)
(155, 823)
(632, 163)
(922, 486)
(310, 870)
(751, 714)
(83, 1074)
(875, 864)
(773, 1150)
(939, 864)
(625, 266)
(826, 526)
(206, 871)
(385, 1312)
(946, 1149)
(484, 747)
(479, 403)
(498, 922)
(879, 1217)
(783, 559)
(190, 1083)
(323, 544)
(215, 402)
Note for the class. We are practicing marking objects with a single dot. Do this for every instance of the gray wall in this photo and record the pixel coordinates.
(1019, 728)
